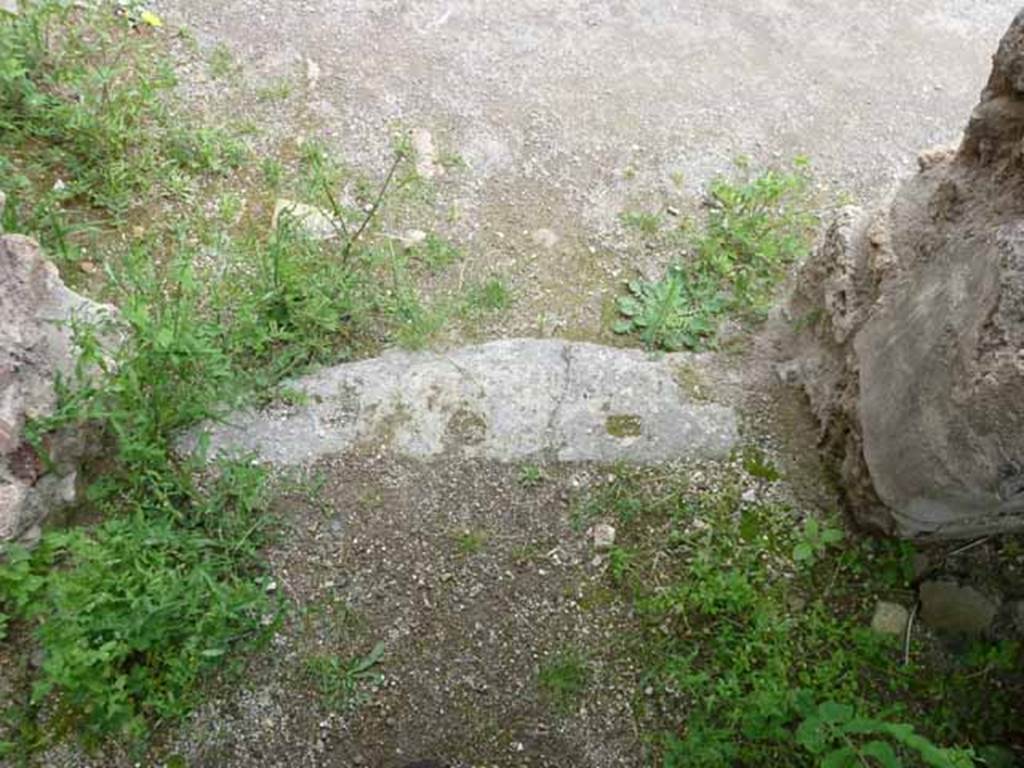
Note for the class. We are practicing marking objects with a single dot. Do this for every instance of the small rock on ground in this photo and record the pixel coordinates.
(603, 536)
(889, 618)
(951, 608)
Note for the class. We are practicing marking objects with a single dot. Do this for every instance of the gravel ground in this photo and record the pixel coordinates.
(568, 112)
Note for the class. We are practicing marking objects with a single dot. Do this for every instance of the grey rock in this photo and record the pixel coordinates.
(315, 222)
(890, 618)
(35, 345)
(603, 536)
(912, 318)
(946, 606)
(427, 165)
(410, 238)
(507, 400)
(545, 238)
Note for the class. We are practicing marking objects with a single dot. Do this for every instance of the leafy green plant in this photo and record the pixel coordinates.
(489, 296)
(620, 563)
(758, 465)
(531, 476)
(756, 227)
(840, 739)
(80, 81)
(814, 540)
(342, 683)
(131, 613)
(674, 313)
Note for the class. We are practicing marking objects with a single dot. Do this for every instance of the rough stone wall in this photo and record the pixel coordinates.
(35, 345)
(910, 318)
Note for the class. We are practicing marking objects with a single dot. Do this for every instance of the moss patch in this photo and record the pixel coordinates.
(624, 425)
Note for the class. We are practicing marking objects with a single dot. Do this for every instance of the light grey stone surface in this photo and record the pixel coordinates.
(508, 400)
(913, 329)
(35, 345)
(889, 618)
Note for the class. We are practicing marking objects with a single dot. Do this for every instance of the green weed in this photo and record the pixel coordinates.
(814, 540)
(84, 118)
(470, 542)
(563, 678)
(754, 230)
(342, 683)
(531, 476)
(491, 295)
(222, 63)
(276, 90)
(644, 222)
(833, 732)
(130, 614)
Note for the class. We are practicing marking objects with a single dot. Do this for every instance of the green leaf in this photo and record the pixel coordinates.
(164, 337)
(811, 735)
(802, 551)
(629, 306)
(831, 535)
(834, 712)
(370, 660)
(622, 326)
(840, 758)
(883, 753)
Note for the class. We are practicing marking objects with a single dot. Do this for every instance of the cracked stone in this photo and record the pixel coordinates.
(510, 400)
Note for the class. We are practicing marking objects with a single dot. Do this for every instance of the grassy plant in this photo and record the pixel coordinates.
(438, 253)
(470, 542)
(564, 677)
(531, 476)
(222, 63)
(814, 540)
(342, 683)
(130, 614)
(644, 222)
(754, 230)
(491, 295)
(842, 740)
(82, 103)
(277, 90)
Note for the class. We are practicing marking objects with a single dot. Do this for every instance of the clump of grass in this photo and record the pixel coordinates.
(129, 615)
(531, 476)
(470, 542)
(755, 229)
(644, 222)
(563, 677)
(491, 295)
(84, 117)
